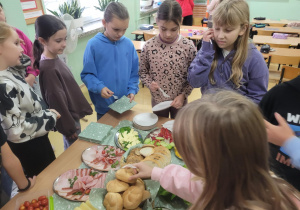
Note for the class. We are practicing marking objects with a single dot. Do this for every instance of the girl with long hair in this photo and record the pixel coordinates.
(226, 60)
(223, 141)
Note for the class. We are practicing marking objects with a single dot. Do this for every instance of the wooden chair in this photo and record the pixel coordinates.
(148, 36)
(284, 60)
(288, 73)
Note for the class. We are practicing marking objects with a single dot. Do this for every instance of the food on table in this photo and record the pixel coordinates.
(160, 157)
(128, 137)
(76, 184)
(177, 153)
(116, 186)
(129, 198)
(146, 151)
(86, 206)
(160, 137)
(103, 158)
(39, 203)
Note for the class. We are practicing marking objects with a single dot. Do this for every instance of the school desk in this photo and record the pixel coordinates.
(138, 45)
(281, 51)
(71, 158)
(293, 41)
(279, 23)
(271, 30)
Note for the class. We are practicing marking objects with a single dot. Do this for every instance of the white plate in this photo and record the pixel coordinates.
(162, 106)
(169, 125)
(145, 119)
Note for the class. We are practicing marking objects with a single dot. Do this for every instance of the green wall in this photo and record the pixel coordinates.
(273, 9)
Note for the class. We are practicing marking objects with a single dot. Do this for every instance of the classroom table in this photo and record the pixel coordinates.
(293, 41)
(288, 30)
(71, 158)
(183, 31)
(138, 45)
(281, 51)
(270, 22)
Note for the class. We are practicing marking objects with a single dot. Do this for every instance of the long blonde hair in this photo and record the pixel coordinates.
(233, 13)
(222, 139)
(5, 31)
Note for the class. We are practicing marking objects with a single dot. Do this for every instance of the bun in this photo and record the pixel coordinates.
(140, 183)
(113, 201)
(124, 174)
(160, 158)
(146, 195)
(132, 197)
(138, 208)
(116, 186)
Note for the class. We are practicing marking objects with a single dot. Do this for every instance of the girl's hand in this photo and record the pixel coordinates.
(208, 35)
(57, 114)
(32, 180)
(143, 171)
(106, 93)
(178, 101)
(30, 79)
(280, 133)
(131, 97)
(154, 86)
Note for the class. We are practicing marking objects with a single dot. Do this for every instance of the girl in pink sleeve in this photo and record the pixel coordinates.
(223, 141)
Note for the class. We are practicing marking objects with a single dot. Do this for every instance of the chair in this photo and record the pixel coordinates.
(148, 36)
(288, 73)
(284, 60)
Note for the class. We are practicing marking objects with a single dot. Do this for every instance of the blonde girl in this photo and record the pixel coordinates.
(227, 158)
(24, 115)
(226, 59)
(165, 60)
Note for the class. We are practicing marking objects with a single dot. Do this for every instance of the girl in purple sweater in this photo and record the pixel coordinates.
(226, 60)
(227, 158)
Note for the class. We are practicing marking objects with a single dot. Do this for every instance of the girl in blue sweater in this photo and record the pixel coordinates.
(110, 63)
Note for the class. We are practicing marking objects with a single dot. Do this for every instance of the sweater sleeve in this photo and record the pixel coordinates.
(292, 148)
(187, 89)
(56, 99)
(17, 123)
(178, 181)
(144, 71)
(258, 79)
(133, 84)
(192, 4)
(89, 72)
(200, 67)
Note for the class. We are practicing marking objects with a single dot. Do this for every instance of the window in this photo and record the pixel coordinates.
(89, 14)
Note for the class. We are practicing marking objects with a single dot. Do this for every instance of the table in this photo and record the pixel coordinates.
(270, 22)
(288, 30)
(71, 158)
(138, 45)
(183, 31)
(293, 41)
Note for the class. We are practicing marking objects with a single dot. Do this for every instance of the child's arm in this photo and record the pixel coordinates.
(200, 67)
(89, 73)
(212, 5)
(192, 3)
(144, 71)
(187, 88)
(258, 77)
(14, 168)
(133, 84)
(173, 178)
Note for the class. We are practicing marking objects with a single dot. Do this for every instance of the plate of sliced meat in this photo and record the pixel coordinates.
(102, 157)
(76, 184)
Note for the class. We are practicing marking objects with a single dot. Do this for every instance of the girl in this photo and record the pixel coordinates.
(227, 155)
(26, 44)
(24, 116)
(110, 63)
(58, 86)
(187, 7)
(165, 60)
(230, 62)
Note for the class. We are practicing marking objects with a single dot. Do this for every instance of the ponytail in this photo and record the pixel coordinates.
(38, 49)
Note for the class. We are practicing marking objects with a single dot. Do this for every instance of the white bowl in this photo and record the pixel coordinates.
(145, 119)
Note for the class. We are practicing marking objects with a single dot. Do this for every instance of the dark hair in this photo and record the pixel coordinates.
(1, 5)
(45, 27)
(170, 10)
(115, 9)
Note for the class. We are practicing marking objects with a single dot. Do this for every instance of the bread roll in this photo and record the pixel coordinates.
(116, 186)
(113, 201)
(146, 195)
(140, 183)
(124, 174)
(132, 197)
(160, 158)
(138, 208)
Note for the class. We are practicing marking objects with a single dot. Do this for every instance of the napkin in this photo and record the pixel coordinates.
(122, 105)
(95, 132)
